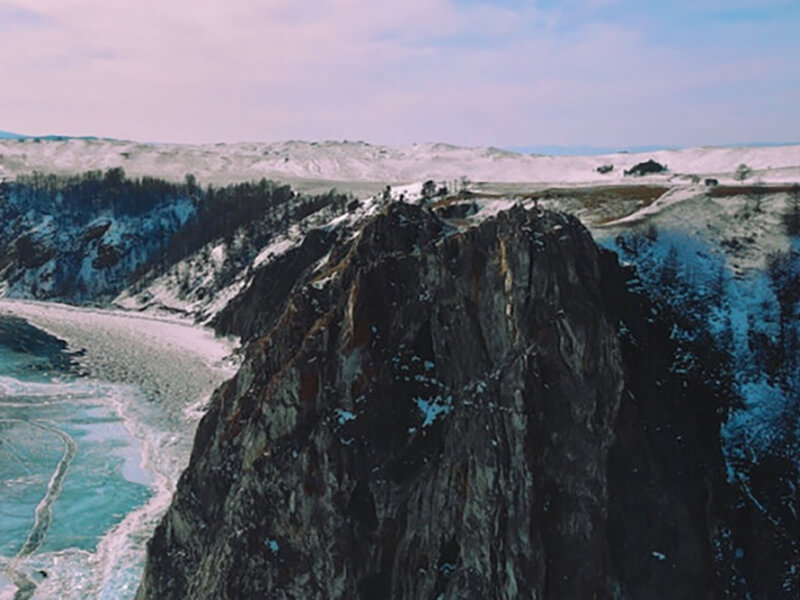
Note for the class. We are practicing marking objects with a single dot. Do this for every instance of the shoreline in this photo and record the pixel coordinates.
(175, 366)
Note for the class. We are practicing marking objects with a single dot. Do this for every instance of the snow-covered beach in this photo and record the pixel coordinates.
(150, 378)
(167, 357)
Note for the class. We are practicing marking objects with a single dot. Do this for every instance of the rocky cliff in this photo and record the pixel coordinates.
(449, 409)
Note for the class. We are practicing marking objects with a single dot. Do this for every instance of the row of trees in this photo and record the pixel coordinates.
(783, 270)
(251, 213)
(95, 191)
(791, 217)
(245, 217)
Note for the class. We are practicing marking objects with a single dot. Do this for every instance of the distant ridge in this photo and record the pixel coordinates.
(582, 150)
(7, 135)
(63, 138)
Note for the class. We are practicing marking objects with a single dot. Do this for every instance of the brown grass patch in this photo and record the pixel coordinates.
(727, 191)
(593, 197)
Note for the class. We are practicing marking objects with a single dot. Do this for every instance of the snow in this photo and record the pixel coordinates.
(218, 255)
(274, 250)
(176, 363)
(335, 163)
(344, 416)
(670, 198)
(203, 283)
(433, 408)
(167, 355)
(691, 212)
(178, 290)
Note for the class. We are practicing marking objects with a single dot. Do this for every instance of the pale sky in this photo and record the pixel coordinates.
(504, 73)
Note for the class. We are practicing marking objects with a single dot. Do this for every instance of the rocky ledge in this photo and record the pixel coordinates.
(449, 409)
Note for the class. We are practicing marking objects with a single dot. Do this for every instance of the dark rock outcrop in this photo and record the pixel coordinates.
(256, 309)
(33, 253)
(484, 412)
(107, 256)
(96, 231)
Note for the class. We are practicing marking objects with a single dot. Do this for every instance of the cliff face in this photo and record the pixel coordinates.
(482, 412)
(259, 306)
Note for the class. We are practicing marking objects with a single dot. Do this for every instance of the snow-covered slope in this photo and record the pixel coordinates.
(340, 163)
(720, 257)
(744, 227)
(203, 283)
(80, 242)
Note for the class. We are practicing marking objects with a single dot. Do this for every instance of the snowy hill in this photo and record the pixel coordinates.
(357, 166)
(163, 246)
(719, 259)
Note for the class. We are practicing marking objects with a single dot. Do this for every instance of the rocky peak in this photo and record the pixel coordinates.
(446, 410)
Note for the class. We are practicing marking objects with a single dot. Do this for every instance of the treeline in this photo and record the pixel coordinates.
(783, 270)
(94, 192)
(253, 211)
(257, 210)
(188, 217)
(222, 212)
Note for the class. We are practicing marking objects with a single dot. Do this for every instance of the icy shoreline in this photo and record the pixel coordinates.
(176, 366)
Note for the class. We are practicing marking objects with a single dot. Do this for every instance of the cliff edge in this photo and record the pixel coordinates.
(452, 410)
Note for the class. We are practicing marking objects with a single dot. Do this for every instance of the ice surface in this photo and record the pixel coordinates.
(133, 438)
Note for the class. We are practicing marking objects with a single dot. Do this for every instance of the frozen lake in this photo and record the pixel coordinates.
(91, 444)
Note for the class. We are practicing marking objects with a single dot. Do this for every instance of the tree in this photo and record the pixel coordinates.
(718, 286)
(742, 172)
(428, 189)
(670, 269)
(191, 183)
(783, 269)
(650, 167)
(114, 177)
(755, 195)
(791, 218)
